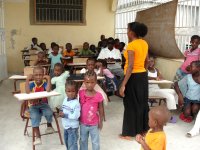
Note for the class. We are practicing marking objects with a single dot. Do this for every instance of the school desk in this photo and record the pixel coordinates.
(17, 78)
(160, 82)
(36, 95)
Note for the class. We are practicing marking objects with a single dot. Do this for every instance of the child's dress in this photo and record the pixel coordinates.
(57, 101)
(169, 94)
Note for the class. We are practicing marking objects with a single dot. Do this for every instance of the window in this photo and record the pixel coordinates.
(59, 11)
(127, 11)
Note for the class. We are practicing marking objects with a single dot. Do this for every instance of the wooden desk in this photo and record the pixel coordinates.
(17, 78)
(160, 82)
(36, 95)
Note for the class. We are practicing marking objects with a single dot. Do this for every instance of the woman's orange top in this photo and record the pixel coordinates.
(140, 49)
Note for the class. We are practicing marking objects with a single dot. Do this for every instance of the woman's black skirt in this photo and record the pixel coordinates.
(136, 105)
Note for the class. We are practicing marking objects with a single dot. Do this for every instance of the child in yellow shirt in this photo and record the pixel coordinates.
(155, 138)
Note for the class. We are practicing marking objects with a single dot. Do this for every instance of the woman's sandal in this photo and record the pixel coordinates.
(192, 134)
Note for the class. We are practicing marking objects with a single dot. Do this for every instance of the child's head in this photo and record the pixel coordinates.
(68, 47)
(38, 73)
(158, 116)
(111, 43)
(151, 62)
(104, 43)
(90, 64)
(117, 41)
(194, 66)
(52, 44)
(41, 56)
(71, 89)
(55, 48)
(90, 80)
(58, 69)
(43, 46)
(86, 46)
(34, 40)
(121, 46)
(102, 37)
(101, 63)
(93, 47)
(195, 41)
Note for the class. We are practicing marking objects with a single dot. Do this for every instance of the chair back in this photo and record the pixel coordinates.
(28, 71)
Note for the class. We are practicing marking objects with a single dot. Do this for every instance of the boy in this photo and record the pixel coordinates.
(39, 107)
(70, 114)
(34, 45)
(155, 139)
(41, 59)
(86, 51)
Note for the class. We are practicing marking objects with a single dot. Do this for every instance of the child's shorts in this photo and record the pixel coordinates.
(37, 111)
(188, 102)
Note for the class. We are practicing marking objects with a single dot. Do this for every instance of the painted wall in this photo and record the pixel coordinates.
(99, 18)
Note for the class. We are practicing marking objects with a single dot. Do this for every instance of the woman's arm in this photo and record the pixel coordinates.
(101, 115)
(128, 71)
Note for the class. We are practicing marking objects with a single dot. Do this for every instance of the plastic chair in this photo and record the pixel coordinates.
(156, 99)
(25, 115)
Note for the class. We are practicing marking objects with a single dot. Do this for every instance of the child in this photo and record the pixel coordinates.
(59, 80)
(111, 81)
(188, 93)
(154, 89)
(191, 55)
(40, 106)
(86, 51)
(93, 49)
(51, 48)
(43, 47)
(91, 112)
(34, 45)
(90, 66)
(54, 58)
(117, 43)
(41, 59)
(68, 52)
(155, 139)
(70, 113)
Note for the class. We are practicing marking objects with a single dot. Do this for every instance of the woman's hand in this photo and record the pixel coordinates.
(121, 90)
(139, 138)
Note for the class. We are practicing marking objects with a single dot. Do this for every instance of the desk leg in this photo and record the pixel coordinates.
(15, 85)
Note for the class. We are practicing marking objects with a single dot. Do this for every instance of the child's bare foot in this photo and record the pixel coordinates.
(129, 138)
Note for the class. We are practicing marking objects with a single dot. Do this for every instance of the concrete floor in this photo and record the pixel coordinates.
(12, 138)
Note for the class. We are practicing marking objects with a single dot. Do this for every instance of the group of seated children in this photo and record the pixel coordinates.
(85, 103)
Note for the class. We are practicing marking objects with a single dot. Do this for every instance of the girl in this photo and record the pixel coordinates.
(70, 113)
(59, 80)
(188, 93)
(155, 139)
(154, 89)
(110, 80)
(191, 55)
(54, 58)
(134, 87)
(91, 112)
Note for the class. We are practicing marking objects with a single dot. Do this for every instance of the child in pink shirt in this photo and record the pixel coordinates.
(91, 112)
(192, 54)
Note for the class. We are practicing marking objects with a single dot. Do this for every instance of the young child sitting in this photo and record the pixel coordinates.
(155, 139)
(68, 52)
(91, 112)
(188, 93)
(90, 66)
(86, 51)
(34, 45)
(70, 113)
(51, 48)
(40, 106)
(154, 89)
(43, 47)
(41, 59)
(110, 80)
(191, 55)
(59, 80)
(54, 58)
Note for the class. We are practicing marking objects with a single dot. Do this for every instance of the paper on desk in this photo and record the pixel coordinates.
(37, 95)
(18, 77)
(159, 81)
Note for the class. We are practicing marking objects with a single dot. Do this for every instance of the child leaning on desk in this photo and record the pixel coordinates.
(39, 107)
(154, 89)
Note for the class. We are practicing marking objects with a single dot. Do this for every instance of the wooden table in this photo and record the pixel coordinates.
(17, 78)
(36, 95)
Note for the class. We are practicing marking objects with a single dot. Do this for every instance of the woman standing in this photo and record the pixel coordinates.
(134, 87)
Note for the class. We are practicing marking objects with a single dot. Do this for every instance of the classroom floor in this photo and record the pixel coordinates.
(12, 126)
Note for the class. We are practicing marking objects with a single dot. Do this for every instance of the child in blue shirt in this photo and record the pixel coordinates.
(54, 58)
(70, 113)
